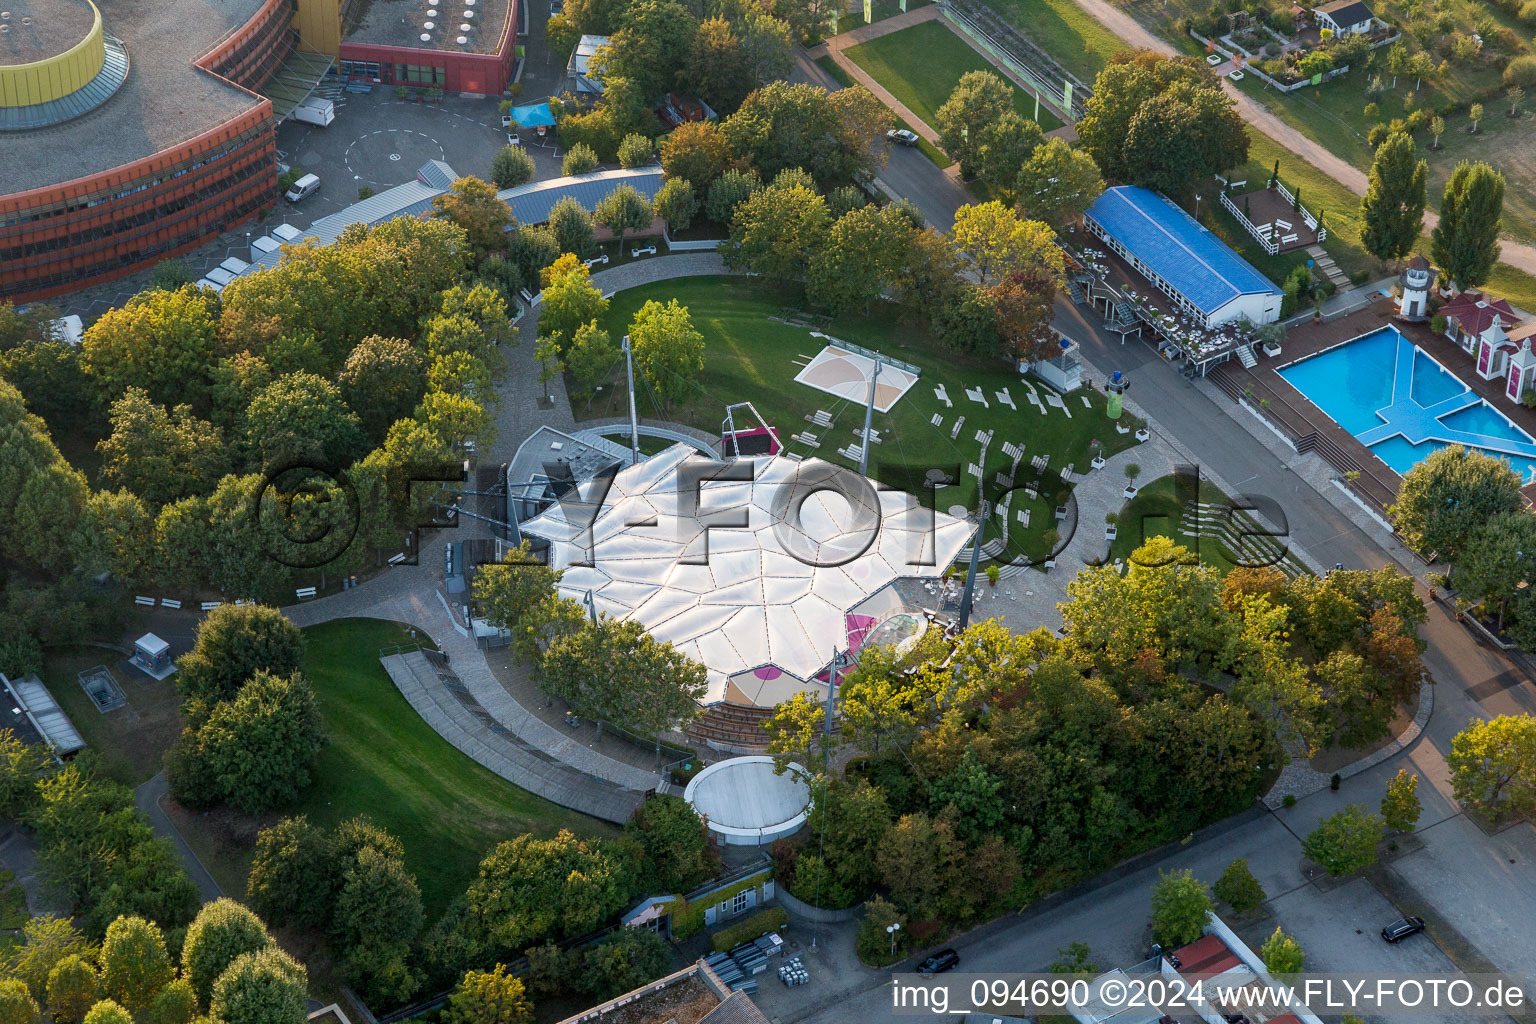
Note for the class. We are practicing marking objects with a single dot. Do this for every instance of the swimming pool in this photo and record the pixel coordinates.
(1403, 405)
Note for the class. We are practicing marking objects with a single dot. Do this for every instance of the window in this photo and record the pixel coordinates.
(741, 901)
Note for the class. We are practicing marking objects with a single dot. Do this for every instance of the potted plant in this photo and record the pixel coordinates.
(400, 91)
(1051, 539)
(1317, 307)
(1110, 519)
(1132, 471)
(993, 575)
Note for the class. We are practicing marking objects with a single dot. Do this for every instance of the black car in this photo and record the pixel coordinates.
(943, 960)
(1397, 931)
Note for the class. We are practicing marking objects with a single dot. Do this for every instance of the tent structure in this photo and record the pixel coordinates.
(751, 567)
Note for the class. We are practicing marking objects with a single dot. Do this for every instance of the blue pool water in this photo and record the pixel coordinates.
(1403, 405)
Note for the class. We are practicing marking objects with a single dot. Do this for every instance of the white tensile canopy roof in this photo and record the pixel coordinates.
(770, 594)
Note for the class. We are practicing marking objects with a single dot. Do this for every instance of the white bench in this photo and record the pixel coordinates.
(166, 602)
(397, 559)
(209, 606)
(147, 602)
(1288, 238)
(955, 432)
(638, 251)
(304, 592)
(596, 260)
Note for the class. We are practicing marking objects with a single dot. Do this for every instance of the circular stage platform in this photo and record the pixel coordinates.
(746, 804)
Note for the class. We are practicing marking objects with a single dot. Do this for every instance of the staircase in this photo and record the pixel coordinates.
(1241, 534)
(1246, 357)
(1323, 264)
(734, 728)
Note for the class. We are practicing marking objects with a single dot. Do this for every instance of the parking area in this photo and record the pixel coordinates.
(1476, 881)
(378, 141)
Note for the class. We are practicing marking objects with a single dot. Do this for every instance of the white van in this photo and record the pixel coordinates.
(303, 187)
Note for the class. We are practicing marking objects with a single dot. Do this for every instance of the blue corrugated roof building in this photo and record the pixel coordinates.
(1179, 255)
(532, 202)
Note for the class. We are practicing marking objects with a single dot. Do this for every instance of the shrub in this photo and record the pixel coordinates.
(511, 166)
(1180, 907)
(1359, 277)
(1522, 70)
(579, 159)
(873, 943)
(1238, 888)
(1528, 12)
(760, 923)
(635, 151)
(1437, 324)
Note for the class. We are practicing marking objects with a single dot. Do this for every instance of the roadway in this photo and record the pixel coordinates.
(1468, 878)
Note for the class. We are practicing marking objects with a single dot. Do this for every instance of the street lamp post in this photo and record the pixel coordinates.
(891, 930)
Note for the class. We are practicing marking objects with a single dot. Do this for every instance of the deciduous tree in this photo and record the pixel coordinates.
(1282, 954)
(797, 125)
(966, 120)
(530, 888)
(1237, 887)
(377, 915)
(775, 232)
(1493, 765)
(300, 419)
(381, 382)
(861, 259)
(257, 748)
(233, 644)
(221, 931)
(676, 204)
(134, 963)
(1400, 807)
(1057, 183)
(1446, 496)
(291, 879)
(570, 299)
(572, 227)
(1181, 906)
(472, 204)
(512, 166)
(489, 997)
(616, 671)
(624, 210)
(1465, 243)
(49, 941)
(73, 988)
(695, 151)
(1345, 842)
(677, 846)
(999, 243)
(1392, 209)
(264, 987)
(159, 341)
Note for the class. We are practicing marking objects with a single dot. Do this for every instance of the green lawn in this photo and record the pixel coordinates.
(922, 65)
(1155, 512)
(1064, 30)
(749, 357)
(129, 741)
(384, 761)
(934, 153)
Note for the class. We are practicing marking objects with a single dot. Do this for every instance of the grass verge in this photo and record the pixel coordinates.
(939, 158)
(385, 761)
(922, 65)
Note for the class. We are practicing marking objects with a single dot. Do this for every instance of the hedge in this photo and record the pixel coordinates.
(760, 923)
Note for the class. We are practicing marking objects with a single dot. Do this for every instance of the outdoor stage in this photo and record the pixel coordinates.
(845, 373)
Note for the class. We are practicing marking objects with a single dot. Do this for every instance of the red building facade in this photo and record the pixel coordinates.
(485, 74)
(60, 238)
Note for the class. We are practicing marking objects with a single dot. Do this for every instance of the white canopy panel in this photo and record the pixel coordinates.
(818, 540)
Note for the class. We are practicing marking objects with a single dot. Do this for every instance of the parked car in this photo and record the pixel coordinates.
(943, 960)
(1236, 76)
(1214, 59)
(1399, 930)
(901, 136)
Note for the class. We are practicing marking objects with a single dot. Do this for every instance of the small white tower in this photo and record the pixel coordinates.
(1522, 372)
(1414, 304)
